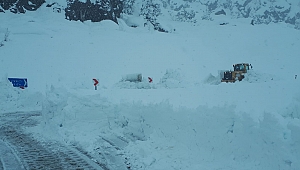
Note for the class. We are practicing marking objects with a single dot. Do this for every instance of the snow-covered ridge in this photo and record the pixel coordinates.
(155, 12)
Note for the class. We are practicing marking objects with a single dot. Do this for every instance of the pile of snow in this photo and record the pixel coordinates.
(134, 85)
(173, 78)
(134, 81)
(157, 136)
(14, 99)
(293, 110)
(133, 21)
(214, 80)
(253, 76)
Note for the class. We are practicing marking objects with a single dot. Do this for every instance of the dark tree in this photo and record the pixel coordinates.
(20, 6)
(128, 6)
(151, 10)
(98, 11)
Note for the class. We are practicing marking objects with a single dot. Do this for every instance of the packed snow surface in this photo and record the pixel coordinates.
(185, 118)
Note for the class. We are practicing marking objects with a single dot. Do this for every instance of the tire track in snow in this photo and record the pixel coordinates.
(8, 159)
(33, 154)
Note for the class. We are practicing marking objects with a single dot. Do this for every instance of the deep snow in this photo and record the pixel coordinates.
(185, 119)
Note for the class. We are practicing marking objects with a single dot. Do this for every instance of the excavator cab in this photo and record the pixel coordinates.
(243, 67)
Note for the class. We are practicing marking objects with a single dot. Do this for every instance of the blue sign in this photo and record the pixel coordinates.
(18, 82)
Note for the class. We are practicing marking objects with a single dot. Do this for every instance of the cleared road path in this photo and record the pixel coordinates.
(21, 151)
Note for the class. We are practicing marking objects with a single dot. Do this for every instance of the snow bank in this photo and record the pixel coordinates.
(258, 77)
(157, 136)
(293, 110)
(134, 85)
(173, 78)
(133, 21)
(14, 99)
(214, 138)
(214, 80)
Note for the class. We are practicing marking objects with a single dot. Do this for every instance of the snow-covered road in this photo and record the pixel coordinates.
(8, 160)
(19, 150)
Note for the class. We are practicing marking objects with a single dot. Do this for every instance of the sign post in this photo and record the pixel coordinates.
(96, 82)
(19, 82)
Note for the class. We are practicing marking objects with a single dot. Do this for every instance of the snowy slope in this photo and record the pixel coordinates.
(185, 119)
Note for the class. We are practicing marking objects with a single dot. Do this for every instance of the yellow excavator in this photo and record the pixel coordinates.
(238, 73)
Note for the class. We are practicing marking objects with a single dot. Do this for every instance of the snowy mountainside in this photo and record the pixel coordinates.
(258, 12)
(182, 120)
(155, 12)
